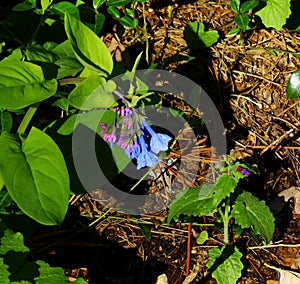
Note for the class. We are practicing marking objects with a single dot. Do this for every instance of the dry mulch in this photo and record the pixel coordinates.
(247, 82)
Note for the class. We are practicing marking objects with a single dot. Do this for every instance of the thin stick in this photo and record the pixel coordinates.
(188, 256)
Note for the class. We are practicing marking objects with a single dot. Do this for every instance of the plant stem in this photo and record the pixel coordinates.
(27, 118)
(226, 224)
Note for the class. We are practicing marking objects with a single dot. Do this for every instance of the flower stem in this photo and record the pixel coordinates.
(226, 224)
(27, 118)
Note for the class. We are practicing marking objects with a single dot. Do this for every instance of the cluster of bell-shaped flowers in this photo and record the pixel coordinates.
(138, 139)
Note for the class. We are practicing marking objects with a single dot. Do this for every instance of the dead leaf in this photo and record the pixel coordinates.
(292, 192)
(286, 276)
(162, 279)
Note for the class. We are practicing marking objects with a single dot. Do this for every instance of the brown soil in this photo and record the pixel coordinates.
(247, 82)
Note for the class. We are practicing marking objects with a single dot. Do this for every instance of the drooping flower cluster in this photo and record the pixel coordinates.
(136, 137)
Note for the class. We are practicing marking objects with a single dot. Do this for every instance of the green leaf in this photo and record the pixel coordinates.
(22, 7)
(114, 12)
(293, 86)
(234, 31)
(67, 67)
(99, 22)
(275, 13)
(235, 6)
(62, 7)
(50, 274)
(146, 231)
(89, 48)
(249, 212)
(129, 22)
(36, 176)
(4, 273)
(22, 84)
(97, 3)
(45, 4)
(225, 264)
(90, 94)
(12, 242)
(38, 53)
(202, 238)
(6, 121)
(116, 3)
(202, 200)
(242, 20)
(197, 38)
(249, 5)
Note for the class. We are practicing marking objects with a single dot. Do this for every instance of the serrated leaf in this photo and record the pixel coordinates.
(50, 274)
(36, 176)
(202, 200)
(12, 242)
(4, 273)
(242, 20)
(23, 83)
(225, 264)
(88, 47)
(250, 212)
(275, 13)
(293, 86)
(197, 38)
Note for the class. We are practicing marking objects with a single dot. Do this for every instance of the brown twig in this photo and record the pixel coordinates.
(188, 255)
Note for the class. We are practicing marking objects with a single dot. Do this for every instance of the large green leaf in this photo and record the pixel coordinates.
(23, 83)
(197, 38)
(202, 200)
(6, 121)
(89, 48)
(92, 93)
(225, 264)
(275, 13)
(249, 212)
(293, 86)
(35, 175)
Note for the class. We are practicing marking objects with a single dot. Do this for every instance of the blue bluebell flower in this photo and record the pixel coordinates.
(146, 158)
(158, 142)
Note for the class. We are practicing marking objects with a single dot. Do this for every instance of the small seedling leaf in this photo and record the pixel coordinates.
(197, 38)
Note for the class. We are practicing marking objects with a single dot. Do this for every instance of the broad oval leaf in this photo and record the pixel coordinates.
(36, 176)
(88, 47)
(22, 84)
(293, 86)
(91, 93)
(249, 211)
(64, 6)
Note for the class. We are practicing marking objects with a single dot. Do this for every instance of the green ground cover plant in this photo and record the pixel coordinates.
(65, 72)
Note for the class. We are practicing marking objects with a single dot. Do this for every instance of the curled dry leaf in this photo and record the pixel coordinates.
(292, 192)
